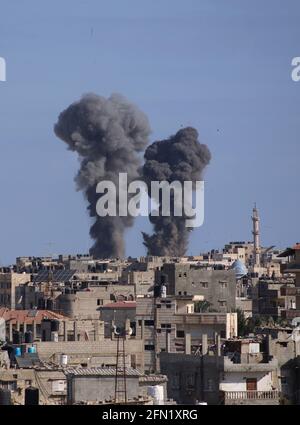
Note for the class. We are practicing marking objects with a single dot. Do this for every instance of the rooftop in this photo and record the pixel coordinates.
(120, 305)
(28, 316)
(100, 371)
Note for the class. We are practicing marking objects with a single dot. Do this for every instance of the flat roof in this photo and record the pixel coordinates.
(120, 305)
(100, 371)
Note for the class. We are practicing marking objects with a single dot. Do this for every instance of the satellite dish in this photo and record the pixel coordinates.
(116, 330)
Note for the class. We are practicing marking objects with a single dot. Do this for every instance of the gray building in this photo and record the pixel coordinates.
(217, 286)
(97, 385)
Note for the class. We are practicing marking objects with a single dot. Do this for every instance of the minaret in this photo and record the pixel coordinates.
(255, 232)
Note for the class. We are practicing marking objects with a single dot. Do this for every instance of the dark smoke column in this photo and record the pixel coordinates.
(107, 134)
(182, 158)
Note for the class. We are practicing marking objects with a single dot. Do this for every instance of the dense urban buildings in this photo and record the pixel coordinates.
(222, 327)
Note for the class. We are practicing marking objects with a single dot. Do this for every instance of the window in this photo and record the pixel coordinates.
(184, 274)
(99, 301)
(175, 381)
(149, 322)
(165, 326)
(210, 384)
(158, 306)
(223, 285)
(190, 381)
(222, 303)
(168, 306)
(204, 284)
(9, 385)
(180, 334)
(149, 347)
(179, 293)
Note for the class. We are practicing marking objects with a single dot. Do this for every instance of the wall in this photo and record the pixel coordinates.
(191, 378)
(92, 353)
(86, 304)
(236, 381)
(8, 283)
(98, 388)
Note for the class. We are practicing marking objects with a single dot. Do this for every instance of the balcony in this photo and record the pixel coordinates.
(251, 395)
(200, 318)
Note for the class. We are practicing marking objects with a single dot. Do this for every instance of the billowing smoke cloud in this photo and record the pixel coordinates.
(182, 158)
(107, 134)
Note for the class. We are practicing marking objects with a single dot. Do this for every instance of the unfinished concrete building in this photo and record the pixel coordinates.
(217, 377)
(164, 324)
(217, 286)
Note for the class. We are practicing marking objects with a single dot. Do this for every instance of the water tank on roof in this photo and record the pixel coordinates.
(157, 393)
(28, 337)
(64, 360)
(17, 337)
(31, 396)
(54, 336)
(18, 351)
(157, 291)
(54, 325)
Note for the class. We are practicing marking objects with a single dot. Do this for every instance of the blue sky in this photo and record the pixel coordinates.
(212, 64)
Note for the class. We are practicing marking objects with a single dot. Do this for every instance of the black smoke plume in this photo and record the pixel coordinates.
(107, 134)
(182, 158)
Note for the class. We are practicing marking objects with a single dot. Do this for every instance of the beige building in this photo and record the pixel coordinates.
(8, 283)
(293, 267)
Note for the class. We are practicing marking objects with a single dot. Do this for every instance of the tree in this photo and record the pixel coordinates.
(202, 306)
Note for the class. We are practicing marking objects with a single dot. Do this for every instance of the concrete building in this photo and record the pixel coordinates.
(117, 314)
(168, 324)
(23, 321)
(273, 298)
(217, 286)
(218, 378)
(293, 267)
(52, 384)
(97, 385)
(91, 353)
(86, 303)
(9, 280)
